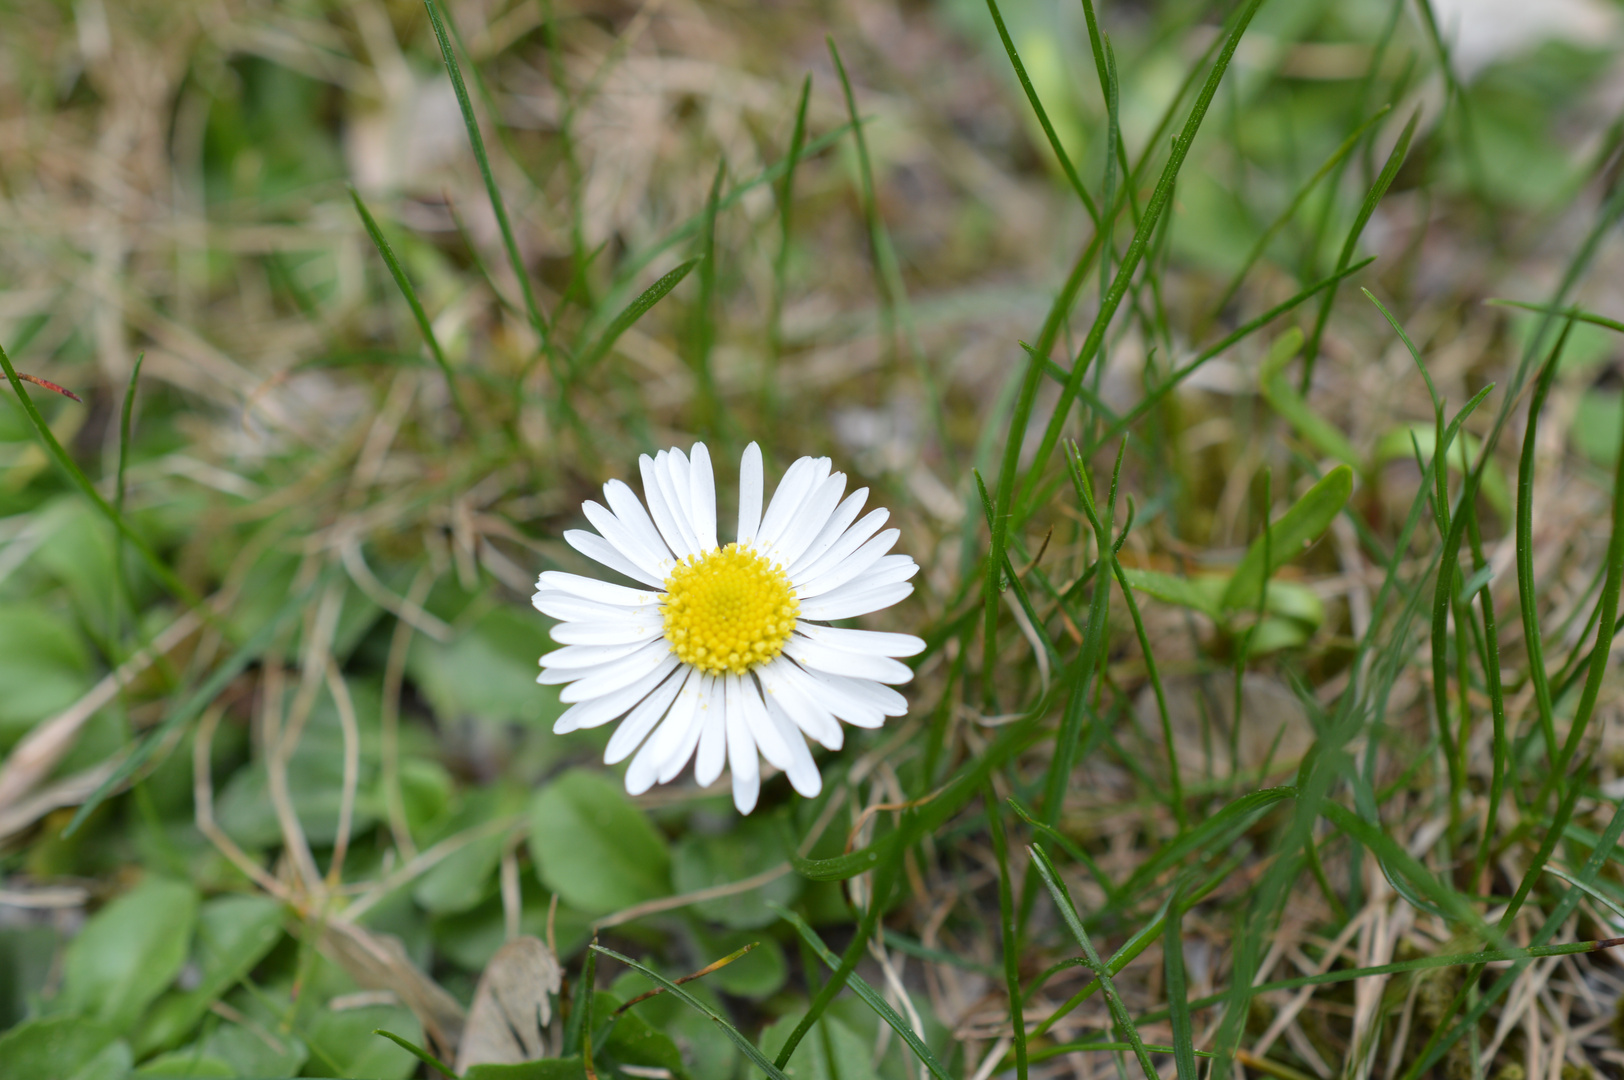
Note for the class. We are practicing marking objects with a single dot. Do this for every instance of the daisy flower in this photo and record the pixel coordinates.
(723, 650)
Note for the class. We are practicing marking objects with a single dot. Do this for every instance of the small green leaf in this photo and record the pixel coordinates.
(488, 671)
(1196, 593)
(343, 1043)
(593, 847)
(1290, 406)
(45, 667)
(461, 881)
(758, 974)
(633, 1041)
(1298, 527)
(234, 933)
(188, 1062)
(55, 1046)
(129, 952)
(755, 845)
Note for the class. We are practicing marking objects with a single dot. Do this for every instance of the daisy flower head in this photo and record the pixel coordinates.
(722, 651)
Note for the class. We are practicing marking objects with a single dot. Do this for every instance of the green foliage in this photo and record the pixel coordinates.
(128, 953)
(593, 847)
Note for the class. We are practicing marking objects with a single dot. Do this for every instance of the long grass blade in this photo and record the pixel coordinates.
(498, 206)
(1068, 913)
(407, 290)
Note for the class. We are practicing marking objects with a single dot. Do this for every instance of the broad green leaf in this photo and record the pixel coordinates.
(234, 933)
(1290, 406)
(263, 1053)
(1204, 591)
(54, 1046)
(1199, 593)
(755, 845)
(488, 671)
(1297, 528)
(593, 847)
(343, 1043)
(632, 1041)
(27, 957)
(463, 878)
(46, 667)
(1398, 444)
(129, 952)
(188, 1062)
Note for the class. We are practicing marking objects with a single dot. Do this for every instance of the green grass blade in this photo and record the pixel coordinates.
(477, 142)
(1228, 341)
(1607, 609)
(631, 313)
(746, 1047)
(786, 206)
(417, 1052)
(867, 993)
(1379, 189)
(1042, 114)
(1262, 243)
(1064, 842)
(410, 293)
(76, 476)
(1135, 251)
(1178, 993)
(1011, 945)
(1068, 913)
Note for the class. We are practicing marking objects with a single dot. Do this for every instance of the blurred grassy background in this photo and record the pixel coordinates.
(356, 692)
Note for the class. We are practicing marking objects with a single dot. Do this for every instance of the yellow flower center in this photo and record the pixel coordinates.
(728, 610)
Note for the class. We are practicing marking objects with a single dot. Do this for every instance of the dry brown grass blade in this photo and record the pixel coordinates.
(379, 962)
(507, 1023)
(53, 387)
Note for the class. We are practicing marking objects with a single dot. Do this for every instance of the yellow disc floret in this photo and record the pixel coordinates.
(728, 610)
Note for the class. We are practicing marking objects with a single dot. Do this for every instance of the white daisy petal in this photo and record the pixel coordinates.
(673, 755)
(592, 589)
(599, 711)
(780, 691)
(807, 522)
(649, 711)
(813, 654)
(742, 761)
(625, 540)
(863, 691)
(850, 567)
(713, 741)
(557, 605)
(844, 515)
(578, 658)
(863, 641)
(849, 541)
(628, 508)
(833, 693)
(607, 678)
(621, 631)
(702, 496)
(659, 506)
(886, 571)
(796, 485)
(768, 739)
(842, 604)
(802, 770)
(678, 489)
(749, 494)
(602, 551)
(645, 767)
